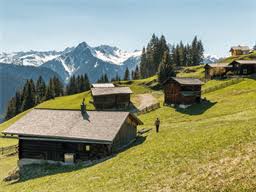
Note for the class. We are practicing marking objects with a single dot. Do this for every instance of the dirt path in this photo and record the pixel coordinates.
(145, 100)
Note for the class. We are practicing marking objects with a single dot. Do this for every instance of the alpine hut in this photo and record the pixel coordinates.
(111, 97)
(182, 91)
(70, 136)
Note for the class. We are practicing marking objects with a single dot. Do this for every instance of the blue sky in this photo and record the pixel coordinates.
(128, 24)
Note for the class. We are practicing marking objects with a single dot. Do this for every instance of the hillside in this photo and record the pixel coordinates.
(249, 56)
(207, 147)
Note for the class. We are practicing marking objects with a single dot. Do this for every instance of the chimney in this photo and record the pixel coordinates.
(83, 107)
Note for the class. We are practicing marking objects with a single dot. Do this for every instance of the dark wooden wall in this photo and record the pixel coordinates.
(111, 101)
(126, 134)
(54, 150)
(173, 93)
(243, 69)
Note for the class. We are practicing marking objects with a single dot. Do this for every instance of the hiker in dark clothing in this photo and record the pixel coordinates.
(157, 124)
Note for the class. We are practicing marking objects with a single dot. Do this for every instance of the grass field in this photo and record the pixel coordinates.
(208, 147)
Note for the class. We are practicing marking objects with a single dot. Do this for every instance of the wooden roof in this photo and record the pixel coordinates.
(245, 62)
(216, 65)
(186, 81)
(239, 47)
(101, 85)
(93, 126)
(110, 91)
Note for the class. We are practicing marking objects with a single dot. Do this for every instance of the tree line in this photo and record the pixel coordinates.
(189, 54)
(78, 84)
(34, 93)
(160, 58)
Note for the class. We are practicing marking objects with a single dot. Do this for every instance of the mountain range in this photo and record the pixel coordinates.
(16, 67)
(78, 60)
(82, 59)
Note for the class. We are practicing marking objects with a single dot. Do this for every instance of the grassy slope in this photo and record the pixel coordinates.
(201, 148)
(196, 72)
(242, 57)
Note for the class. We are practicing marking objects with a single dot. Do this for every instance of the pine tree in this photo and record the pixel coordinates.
(40, 90)
(50, 94)
(71, 87)
(136, 73)
(11, 109)
(133, 75)
(194, 51)
(143, 64)
(84, 84)
(87, 82)
(127, 74)
(103, 79)
(28, 98)
(200, 51)
(18, 102)
(166, 69)
(57, 86)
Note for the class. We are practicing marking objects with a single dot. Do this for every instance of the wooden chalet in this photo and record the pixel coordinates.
(243, 67)
(72, 135)
(111, 97)
(216, 70)
(182, 91)
(239, 50)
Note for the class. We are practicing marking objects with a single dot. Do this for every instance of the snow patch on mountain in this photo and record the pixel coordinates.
(113, 54)
(31, 58)
(208, 58)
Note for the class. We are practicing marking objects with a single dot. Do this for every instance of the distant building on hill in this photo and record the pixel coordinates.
(237, 67)
(239, 50)
(111, 97)
(243, 67)
(182, 91)
(216, 70)
(72, 135)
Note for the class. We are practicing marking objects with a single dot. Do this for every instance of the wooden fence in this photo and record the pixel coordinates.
(222, 85)
(149, 108)
(8, 150)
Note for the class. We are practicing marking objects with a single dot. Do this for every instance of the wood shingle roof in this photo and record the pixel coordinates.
(186, 81)
(245, 62)
(239, 47)
(100, 126)
(102, 85)
(110, 91)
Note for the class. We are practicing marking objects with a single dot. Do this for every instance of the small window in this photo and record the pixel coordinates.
(244, 71)
(87, 148)
(69, 158)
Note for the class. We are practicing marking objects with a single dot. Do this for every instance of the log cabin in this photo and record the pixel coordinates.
(71, 136)
(216, 70)
(182, 91)
(239, 50)
(243, 67)
(111, 97)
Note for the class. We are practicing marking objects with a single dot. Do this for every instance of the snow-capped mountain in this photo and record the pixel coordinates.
(78, 60)
(31, 58)
(94, 61)
(114, 55)
(210, 58)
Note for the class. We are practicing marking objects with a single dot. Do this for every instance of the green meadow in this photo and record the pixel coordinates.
(207, 147)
